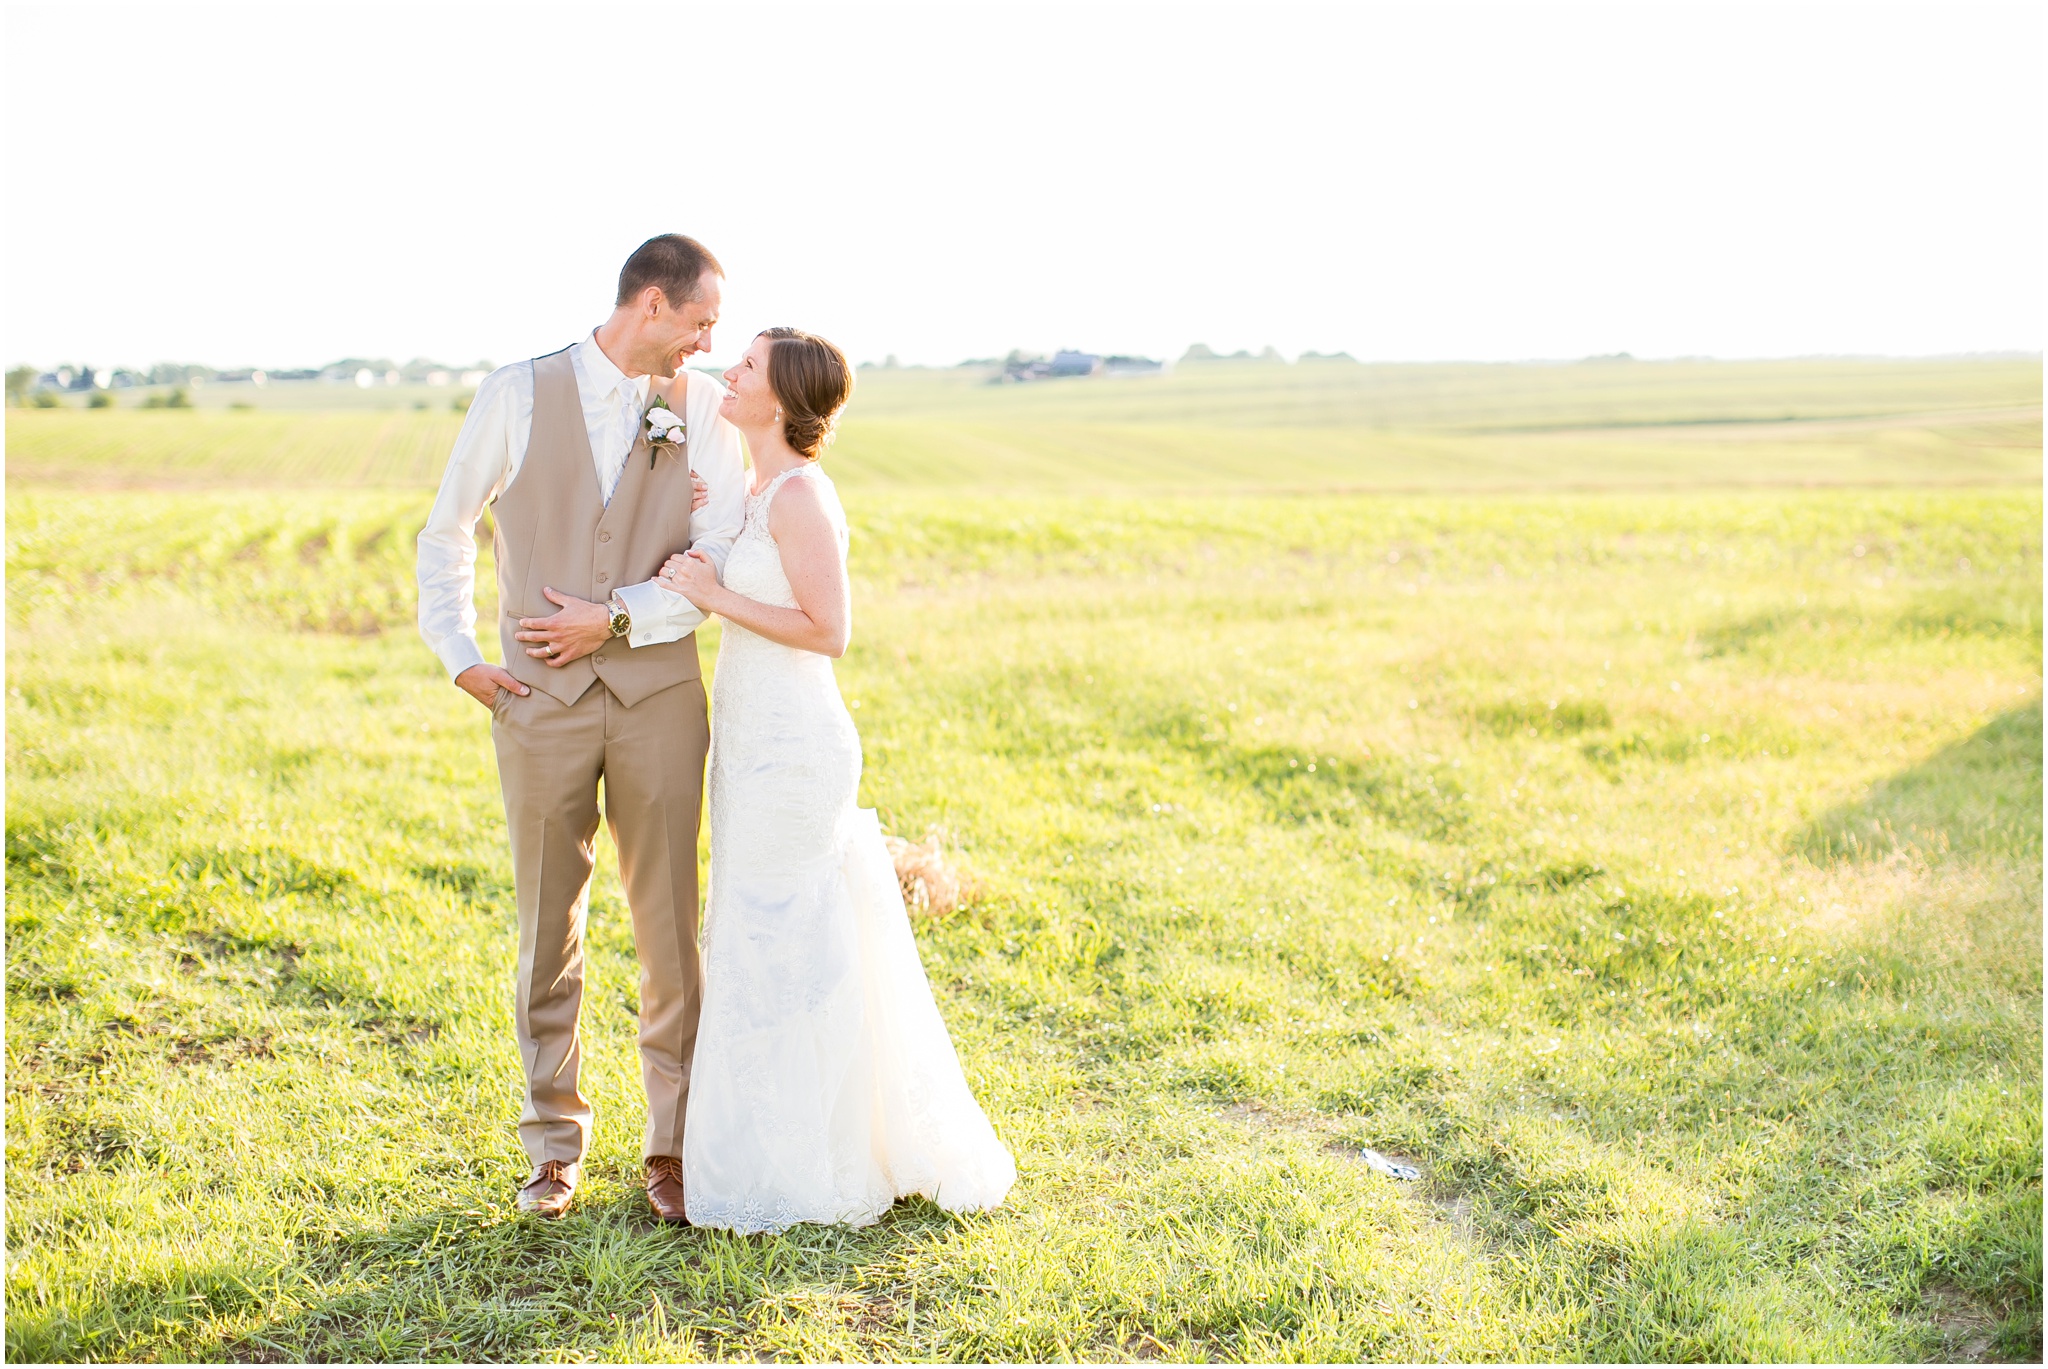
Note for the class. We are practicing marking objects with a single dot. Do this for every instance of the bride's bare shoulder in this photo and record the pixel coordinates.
(799, 495)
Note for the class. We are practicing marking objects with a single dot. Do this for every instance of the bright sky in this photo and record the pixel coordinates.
(290, 184)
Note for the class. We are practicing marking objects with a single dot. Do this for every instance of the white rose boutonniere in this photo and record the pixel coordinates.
(665, 430)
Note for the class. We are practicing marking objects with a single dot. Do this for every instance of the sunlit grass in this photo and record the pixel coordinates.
(1661, 874)
(1214, 427)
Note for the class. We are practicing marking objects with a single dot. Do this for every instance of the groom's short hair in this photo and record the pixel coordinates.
(675, 263)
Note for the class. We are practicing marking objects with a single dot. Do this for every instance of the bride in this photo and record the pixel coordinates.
(824, 1085)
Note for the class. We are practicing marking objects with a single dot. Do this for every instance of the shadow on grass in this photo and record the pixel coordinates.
(1979, 797)
(486, 1283)
(2000, 615)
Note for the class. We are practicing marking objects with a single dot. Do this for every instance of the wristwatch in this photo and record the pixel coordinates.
(622, 621)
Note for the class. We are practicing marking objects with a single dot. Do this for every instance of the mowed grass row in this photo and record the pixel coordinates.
(345, 563)
(1426, 396)
(228, 449)
(1660, 874)
(235, 450)
(1222, 427)
(1468, 397)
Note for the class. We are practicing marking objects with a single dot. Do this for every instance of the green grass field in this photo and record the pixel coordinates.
(1658, 869)
(1217, 428)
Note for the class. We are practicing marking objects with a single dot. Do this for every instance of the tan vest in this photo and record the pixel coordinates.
(554, 528)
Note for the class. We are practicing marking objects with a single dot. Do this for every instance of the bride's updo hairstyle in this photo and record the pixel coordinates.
(812, 383)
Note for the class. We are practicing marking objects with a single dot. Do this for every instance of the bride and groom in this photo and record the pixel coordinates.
(796, 1068)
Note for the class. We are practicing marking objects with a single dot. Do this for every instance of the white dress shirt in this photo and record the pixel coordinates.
(489, 452)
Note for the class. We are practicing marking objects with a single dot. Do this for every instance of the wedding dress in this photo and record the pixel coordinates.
(824, 1086)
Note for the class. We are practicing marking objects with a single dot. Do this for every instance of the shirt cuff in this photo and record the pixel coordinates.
(659, 615)
(459, 653)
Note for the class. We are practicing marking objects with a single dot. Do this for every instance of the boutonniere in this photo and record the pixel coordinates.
(665, 430)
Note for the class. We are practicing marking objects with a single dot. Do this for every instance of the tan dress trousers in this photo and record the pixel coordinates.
(651, 759)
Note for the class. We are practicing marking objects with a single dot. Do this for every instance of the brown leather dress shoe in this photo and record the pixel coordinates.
(548, 1192)
(665, 1188)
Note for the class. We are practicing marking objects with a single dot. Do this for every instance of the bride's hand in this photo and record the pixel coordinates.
(691, 575)
(700, 492)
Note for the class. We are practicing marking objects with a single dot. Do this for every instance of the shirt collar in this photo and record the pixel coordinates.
(604, 377)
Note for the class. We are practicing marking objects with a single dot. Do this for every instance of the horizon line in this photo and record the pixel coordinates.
(1241, 357)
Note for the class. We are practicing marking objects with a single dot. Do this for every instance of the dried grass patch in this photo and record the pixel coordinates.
(933, 886)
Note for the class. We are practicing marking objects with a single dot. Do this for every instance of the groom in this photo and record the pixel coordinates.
(600, 680)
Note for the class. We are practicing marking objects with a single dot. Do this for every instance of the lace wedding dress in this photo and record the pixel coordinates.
(824, 1085)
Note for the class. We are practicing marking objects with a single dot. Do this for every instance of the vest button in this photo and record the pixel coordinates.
(604, 537)
(602, 577)
(599, 658)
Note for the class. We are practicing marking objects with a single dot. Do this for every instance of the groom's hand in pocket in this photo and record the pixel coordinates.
(580, 628)
(482, 683)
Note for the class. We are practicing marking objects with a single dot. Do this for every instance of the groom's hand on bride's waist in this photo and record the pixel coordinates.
(579, 628)
(482, 683)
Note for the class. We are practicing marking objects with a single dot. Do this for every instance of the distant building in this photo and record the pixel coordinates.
(1025, 366)
(1070, 364)
(1130, 366)
(79, 378)
(350, 370)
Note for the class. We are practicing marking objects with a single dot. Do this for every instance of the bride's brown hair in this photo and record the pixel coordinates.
(812, 383)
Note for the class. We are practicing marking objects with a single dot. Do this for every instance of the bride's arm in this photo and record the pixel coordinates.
(822, 621)
(718, 468)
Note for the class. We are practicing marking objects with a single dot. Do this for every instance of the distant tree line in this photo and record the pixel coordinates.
(1021, 365)
(1203, 352)
(41, 387)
